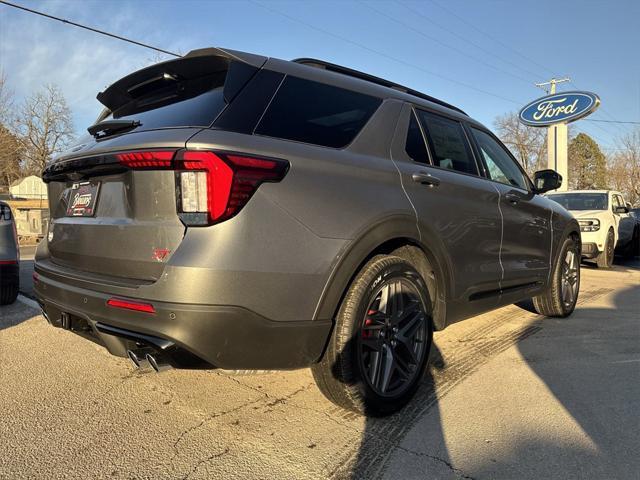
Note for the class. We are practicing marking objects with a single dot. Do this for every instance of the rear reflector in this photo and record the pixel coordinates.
(211, 186)
(8, 262)
(130, 305)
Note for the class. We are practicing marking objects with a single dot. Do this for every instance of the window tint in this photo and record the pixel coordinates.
(198, 111)
(448, 143)
(502, 168)
(415, 146)
(313, 112)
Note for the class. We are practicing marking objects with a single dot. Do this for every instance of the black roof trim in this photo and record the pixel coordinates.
(313, 62)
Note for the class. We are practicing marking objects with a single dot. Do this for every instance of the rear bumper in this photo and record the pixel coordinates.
(590, 250)
(229, 337)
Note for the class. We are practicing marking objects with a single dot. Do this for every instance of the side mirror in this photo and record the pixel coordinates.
(545, 180)
(620, 210)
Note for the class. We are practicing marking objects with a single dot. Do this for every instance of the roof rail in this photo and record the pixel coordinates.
(313, 62)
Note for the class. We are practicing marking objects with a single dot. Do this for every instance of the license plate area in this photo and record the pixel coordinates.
(83, 199)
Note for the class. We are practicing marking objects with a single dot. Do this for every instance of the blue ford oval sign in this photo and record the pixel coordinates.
(558, 108)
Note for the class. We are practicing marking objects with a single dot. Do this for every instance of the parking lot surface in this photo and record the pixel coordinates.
(509, 394)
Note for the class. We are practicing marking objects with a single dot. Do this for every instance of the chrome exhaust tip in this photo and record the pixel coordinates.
(158, 362)
(138, 358)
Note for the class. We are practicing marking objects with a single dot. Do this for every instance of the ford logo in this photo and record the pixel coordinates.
(559, 108)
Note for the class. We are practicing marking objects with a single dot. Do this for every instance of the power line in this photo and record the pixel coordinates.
(382, 54)
(492, 38)
(460, 37)
(610, 121)
(440, 42)
(91, 29)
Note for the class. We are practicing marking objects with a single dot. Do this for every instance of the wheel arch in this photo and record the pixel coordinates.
(399, 236)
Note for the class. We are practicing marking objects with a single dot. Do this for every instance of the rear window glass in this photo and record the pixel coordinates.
(316, 113)
(448, 143)
(195, 106)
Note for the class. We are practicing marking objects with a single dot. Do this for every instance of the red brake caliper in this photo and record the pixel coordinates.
(368, 321)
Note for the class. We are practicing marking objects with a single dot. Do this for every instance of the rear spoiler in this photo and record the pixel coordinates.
(196, 63)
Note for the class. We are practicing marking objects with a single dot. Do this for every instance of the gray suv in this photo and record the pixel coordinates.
(240, 212)
(9, 256)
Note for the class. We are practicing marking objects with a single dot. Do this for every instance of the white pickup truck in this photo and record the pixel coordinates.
(605, 223)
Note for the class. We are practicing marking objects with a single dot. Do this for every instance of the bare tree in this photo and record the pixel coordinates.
(624, 167)
(10, 148)
(528, 144)
(6, 100)
(44, 127)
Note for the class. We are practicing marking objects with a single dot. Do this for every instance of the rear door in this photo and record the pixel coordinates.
(454, 205)
(526, 244)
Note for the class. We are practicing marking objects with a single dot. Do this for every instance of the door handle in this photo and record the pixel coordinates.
(425, 178)
(512, 198)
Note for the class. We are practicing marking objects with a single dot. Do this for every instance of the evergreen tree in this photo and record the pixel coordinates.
(587, 164)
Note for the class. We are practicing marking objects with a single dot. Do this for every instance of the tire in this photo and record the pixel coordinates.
(555, 301)
(355, 372)
(8, 293)
(605, 258)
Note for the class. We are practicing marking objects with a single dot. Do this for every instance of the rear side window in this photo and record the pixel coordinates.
(415, 146)
(312, 112)
(448, 143)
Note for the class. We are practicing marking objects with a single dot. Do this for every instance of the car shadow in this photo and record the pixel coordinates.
(583, 369)
(18, 312)
(15, 314)
(596, 380)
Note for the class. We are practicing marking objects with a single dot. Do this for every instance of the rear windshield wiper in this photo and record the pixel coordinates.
(109, 127)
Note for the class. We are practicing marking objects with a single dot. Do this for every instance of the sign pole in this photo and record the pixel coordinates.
(557, 140)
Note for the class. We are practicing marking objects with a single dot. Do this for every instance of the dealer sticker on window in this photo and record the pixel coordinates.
(83, 198)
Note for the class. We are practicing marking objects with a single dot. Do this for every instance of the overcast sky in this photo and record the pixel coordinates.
(483, 56)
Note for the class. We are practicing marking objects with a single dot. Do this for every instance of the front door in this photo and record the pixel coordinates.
(526, 240)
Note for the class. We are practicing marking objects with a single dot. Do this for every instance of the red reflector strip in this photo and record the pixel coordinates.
(8, 262)
(148, 159)
(129, 305)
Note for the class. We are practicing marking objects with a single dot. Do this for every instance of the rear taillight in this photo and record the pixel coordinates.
(211, 186)
(152, 159)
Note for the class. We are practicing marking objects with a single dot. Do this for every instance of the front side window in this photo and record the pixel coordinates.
(415, 146)
(617, 201)
(316, 113)
(448, 143)
(501, 167)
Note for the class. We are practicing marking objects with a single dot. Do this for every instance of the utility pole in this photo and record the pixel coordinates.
(557, 139)
(552, 84)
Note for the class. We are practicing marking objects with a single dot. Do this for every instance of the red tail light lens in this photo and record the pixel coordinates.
(229, 180)
(211, 186)
(131, 305)
(153, 159)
